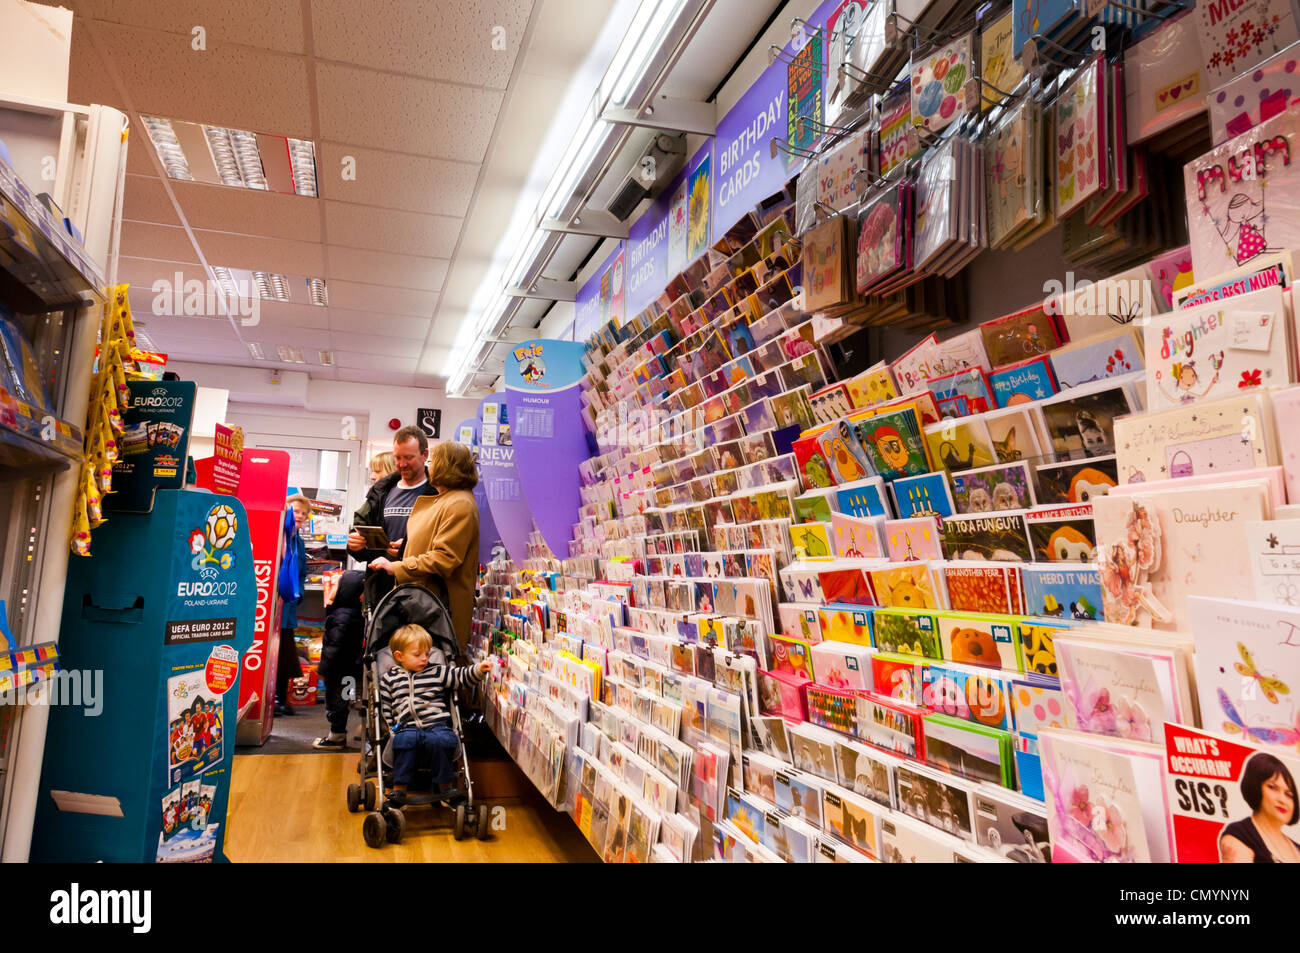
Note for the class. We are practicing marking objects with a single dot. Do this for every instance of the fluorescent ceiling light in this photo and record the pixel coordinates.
(165, 143)
(317, 293)
(290, 355)
(271, 287)
(643, 44)
(326, 357)
(255, 349)
(217, 155)
(302, 162)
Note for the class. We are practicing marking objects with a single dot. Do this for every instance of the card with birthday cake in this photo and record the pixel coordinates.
(917, 538)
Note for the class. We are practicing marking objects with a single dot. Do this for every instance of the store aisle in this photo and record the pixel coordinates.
(265, 823)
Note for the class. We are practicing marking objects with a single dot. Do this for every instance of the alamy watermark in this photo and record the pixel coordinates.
(75, 688)
(196, 299)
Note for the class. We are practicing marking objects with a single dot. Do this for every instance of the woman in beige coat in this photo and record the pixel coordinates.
(442, 536)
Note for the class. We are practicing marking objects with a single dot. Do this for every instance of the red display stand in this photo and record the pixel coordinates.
(263, 484)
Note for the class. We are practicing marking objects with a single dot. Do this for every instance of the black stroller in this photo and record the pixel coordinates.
(401, 606)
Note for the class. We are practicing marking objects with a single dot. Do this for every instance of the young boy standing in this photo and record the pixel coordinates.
(415, 700)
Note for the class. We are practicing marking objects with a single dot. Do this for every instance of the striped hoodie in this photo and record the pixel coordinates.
(420, 699)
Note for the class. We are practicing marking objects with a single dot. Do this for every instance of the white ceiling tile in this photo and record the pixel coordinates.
(143, 272)
(374, 362)
(162, 242)
(384, 325)
(451, 40)
(265, 24)
(398, 271)
(289, 314)
(220, 208)
(418, 116)
(87, 80)
(359, 226)
(145, 200)
(359, 376)
(309, 339)
(373, 344)
(364, 296)
(225, 86)
(262, 254)
(394, 180)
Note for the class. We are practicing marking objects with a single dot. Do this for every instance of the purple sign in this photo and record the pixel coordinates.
(500, 480)
(647, 253)
(601, 299)
(488, 540)
(744, 172)
(542, 398)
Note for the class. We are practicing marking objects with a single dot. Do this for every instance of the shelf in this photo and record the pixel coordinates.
(23, 447)
(42, 268)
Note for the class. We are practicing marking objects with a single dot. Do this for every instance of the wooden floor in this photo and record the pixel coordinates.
(292, 808)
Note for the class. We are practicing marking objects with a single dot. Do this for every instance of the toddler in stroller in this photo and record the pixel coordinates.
(413, 736)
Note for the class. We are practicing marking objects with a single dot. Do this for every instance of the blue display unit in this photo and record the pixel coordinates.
(164, 609)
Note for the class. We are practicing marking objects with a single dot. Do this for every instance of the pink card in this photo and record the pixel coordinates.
(857, 537)
(918, 538)
(1286, 413)
(1238, 35)
(1251, 97)
(1272, 477)
(1080, 168)
(1243, 197)
(1171, 272)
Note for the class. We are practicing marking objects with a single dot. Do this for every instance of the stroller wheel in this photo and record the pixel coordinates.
(374, 829)
(354, 798)
(461, 816)
(371, 796)
(396, 826)
(482, 827)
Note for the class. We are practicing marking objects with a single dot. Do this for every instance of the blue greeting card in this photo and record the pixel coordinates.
(1040, 17)
(1024, 382)
(924, 495)
(1054, 592)
(1098, 357)
(863, 498)
(969, 382)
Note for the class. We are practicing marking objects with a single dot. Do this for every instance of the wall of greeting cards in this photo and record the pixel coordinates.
(1027, 590)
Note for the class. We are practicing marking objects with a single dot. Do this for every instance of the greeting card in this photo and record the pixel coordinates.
(938, 84)
(1019, 336)
(1164, 78)
(1265, 271)
(813, 468)
(912, 370)
(863, 498)
(1214, 799)
(1037, 704)
(1062, 592)
(1024, 382)
(867, 771)
(1253, 96)
(924, 495)
(974, 694)
(1010, 173)
(1211, 350)
(1217, 436)
(1000, 68)
(901, 677)
(895, 121)
(980, 587)
(1079, 166)
(1062, 534)
(904, 840)
(1171, 272)
(1081, 422)
(940, 800)
(1241, 196)
(1014, 435)
(857, 537)
(846, 623)
(987, 641)
(1156, 549)
(1098, 357)
(911, 539)
(960, 353)
(1003, 486)
(907, 586)
(884, 236)
(969, 383)
(1237, 38)
(1247, 664)
(810, 540)
(893, 726)
(1012, 825)
(906, 632)
(973, 536)
(960, 444)
(872, 386)
(1105, 798)
(815, 506)
(969, 749)
(893, 443)
(1121, 690)
(843, 451)
(843, 665)
(1275, 561)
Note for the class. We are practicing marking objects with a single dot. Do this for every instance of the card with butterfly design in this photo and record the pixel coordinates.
(1248, 669)
(1079, 165)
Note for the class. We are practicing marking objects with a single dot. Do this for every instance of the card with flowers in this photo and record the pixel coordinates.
(1235, 37)
(1106, 800)
(1216, 348)
(1122, 691)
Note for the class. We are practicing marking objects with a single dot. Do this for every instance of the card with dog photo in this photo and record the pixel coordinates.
(1081, 423)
